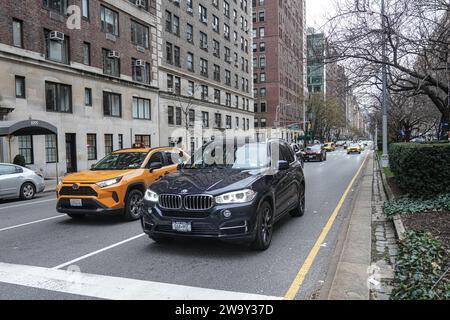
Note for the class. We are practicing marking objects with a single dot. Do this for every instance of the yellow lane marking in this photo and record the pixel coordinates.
(295, 286)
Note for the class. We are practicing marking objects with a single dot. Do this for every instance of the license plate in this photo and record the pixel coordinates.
(311, 157)
(76, 202)
(181, 226)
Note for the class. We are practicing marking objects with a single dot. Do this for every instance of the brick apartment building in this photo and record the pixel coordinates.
(205, 71)
(279, 39)
(95, 85)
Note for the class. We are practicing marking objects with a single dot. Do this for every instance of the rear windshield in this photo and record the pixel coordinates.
(314, 148)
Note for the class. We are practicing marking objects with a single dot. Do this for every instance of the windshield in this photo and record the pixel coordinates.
(354, 145)
(314, 148)
(219, 155)
(121, 161)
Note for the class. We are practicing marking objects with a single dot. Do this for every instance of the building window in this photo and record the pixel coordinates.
(92, 146)
(205, 93)
(141, 108)
(58, 97)
(263, 107)
(217, 120)
(226, 31)
(20, 87)
(87, 53)
(228, 99)
(177, 85)
(169, 53)
(190, 33)
(85, 8)
(261, 32)
(26, 148)
(261, 16)
(203, 41)
(204, 67)
(17, 33)
(190, 61)
(178, 116)
(263, 123)
(50, 148)
(170, 115)
(228, 122)
(176, 56)
(140, 71)
(139, 34)
(263, 92)
(190, 88)
(111, 64)
(215, 24)
(120, 141)
(262, 77)
(262, 62)
(228, 77)
(142, 4)
(237, 122)
(142, 139)
(262, 46)
(88, 97)
(176, 25)
(191, 117)
(112, 104)
(216, 73)
(217, 96)
(205, 119)
(110, 21)
(59, 6)
(56, 50)
(203, 13)
(108, 144)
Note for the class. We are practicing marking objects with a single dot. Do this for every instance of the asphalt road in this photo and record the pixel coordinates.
(33, 234)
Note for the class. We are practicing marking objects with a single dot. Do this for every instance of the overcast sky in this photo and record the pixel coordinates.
(316, 10)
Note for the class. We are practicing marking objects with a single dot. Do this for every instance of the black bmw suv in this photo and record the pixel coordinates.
(230, 190)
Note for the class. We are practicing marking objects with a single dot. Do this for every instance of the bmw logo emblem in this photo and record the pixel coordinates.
(184, 191)
(75, 186)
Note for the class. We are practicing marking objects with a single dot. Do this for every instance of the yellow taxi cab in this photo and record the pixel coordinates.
(354, 148)
(117, 183)
(329, 146)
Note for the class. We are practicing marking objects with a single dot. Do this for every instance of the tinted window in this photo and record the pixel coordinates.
(121, 161)
(286, 154)
(156, 157)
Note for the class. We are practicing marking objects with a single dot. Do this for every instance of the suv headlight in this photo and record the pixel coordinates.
(240, 196)
(109, 182)
(151, 196)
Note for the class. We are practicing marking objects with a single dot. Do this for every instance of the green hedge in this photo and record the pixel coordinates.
(421, 169)
(407, 205)
(420, 269)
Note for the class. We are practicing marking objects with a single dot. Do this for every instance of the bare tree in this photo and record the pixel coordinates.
(418, 43)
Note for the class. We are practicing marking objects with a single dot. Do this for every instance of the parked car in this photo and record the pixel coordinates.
(329, 146)
(236, 196)
(354, 148)
(117, 183)
(19, 182)
(315, 152)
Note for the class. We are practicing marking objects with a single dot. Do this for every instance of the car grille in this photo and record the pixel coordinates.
(198, 202)
(188, 202)
(170, 201)
(81, 191)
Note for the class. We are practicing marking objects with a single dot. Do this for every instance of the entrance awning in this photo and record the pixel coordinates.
(26, 127)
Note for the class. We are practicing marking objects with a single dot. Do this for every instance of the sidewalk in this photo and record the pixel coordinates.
(350, 280)
(50, 185)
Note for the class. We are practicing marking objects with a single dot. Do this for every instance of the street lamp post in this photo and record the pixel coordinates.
(385, 156)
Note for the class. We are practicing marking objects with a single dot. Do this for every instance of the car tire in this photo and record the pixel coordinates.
(133, 205)
(27, 191)
(76, 216)
(161, 239)
(299, 211)
(264, 227)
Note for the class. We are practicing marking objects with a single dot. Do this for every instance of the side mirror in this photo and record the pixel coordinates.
(283, 165)
(155, 166)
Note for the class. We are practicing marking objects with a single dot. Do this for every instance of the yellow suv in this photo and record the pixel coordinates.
(117, 183)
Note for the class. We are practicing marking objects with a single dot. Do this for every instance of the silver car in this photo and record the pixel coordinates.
(19, 182)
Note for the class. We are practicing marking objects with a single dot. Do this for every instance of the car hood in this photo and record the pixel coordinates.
(92, 176)
(211, 181)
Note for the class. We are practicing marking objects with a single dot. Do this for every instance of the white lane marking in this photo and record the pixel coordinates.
(32, 222)
(26, 204)
(115, 288)
(97, 252)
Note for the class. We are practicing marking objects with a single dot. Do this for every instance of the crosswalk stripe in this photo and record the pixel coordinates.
(114, 288)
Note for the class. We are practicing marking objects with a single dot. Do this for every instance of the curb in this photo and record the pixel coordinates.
(398, 224)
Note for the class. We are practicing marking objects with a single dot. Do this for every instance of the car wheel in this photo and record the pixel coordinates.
(133, 205)
(27, 191)
(300, 210)
(161, 239)
(76, 216)
(264, 227)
